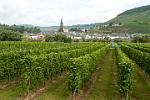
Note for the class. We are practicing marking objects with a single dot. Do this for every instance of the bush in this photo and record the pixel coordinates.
(76, 40)
(67, 40)
(8, 35)
(141, 39)
(58, 38)
(49, 38)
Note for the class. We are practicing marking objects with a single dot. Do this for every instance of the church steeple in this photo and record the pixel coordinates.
(61, 23)
(61, 29)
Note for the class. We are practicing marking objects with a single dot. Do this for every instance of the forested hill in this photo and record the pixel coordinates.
(135, 20)
(136, 10)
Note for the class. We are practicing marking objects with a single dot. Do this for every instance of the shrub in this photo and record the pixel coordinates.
(141, 39)
(58, 38)
(8, 35)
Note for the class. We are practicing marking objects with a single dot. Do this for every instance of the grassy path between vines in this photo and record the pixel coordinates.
(141, 85)
(15, 92)
(106, 87)
(10, 93)
(57, 91)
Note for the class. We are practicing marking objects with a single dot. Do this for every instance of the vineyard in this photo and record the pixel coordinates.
(74, 71)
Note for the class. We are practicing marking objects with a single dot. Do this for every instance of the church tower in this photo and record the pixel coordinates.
(61, 29)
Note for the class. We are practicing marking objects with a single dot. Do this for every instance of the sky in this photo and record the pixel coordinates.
(49, 12)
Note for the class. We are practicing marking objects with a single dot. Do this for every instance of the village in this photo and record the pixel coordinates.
(83, 34)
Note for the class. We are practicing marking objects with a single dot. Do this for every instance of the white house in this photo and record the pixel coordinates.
(37, 37)
(87, 37)
(79, 38)
(34, 37)
(115, 25)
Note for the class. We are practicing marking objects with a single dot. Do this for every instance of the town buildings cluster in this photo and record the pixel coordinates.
(84, 35)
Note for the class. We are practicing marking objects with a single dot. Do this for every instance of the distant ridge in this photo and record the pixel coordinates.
(135, 20)
(136, 10)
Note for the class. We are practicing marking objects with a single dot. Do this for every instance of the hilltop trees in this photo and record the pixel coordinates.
(20, 29)
(9, 35)
(14, 32)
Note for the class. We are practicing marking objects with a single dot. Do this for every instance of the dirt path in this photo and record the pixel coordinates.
(6, 84)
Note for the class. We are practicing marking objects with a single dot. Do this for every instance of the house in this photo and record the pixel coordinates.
(37, 37)
(115, 25)
(87, 37)
(65, 30)
(78, 38)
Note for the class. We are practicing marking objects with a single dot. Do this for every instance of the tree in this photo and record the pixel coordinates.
(110, 24)
(9, 35)
(21, 29)
(49, 38)
(141, 39)
(67, 40)
(60, 37)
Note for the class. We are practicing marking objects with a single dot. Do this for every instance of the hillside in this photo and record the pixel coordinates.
(135, 20)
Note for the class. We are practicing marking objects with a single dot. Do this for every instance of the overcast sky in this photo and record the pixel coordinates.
(49, 12)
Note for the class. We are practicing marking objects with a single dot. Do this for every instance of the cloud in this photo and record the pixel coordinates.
(49, 12)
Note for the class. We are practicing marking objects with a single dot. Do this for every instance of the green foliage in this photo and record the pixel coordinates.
(76, 40)
(94, 30)
(81, 68)
(38, 69)
(35, 63)
(58, 38)
(141, 39)
(110, 24)
(10, 64)
(35, 66)
(135, 10)
(49, 38)
(32, 30)
(143, 49)
(141, 58)
(125, 73)
(76, 29)
(95, 40)
(8, 35)
(135, 21)
(13, 54)
(20, 29)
